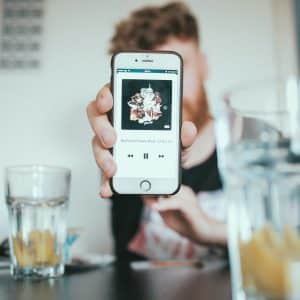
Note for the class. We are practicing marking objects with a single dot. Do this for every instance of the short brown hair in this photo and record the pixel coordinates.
(152, 26)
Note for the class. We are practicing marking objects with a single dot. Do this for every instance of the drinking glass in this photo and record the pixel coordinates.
(257, 129)
(37, 200)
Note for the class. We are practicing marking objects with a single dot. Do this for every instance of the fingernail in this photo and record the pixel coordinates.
(103, 191)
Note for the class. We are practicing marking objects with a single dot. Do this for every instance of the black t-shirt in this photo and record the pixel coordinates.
(126, 210)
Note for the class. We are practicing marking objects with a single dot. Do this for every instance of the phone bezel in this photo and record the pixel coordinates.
(111, 115)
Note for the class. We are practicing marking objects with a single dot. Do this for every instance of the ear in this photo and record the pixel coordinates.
(204, 66)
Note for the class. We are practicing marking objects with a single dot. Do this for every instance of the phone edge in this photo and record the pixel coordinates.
(111, 115)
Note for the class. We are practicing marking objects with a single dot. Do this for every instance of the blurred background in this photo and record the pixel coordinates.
(53, 67)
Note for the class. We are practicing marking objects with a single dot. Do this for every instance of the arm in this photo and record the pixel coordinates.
(183, 214)
(126, 210)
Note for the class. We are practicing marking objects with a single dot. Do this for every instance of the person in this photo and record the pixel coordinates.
(191, 213)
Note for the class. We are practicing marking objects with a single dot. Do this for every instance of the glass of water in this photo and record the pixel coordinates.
(37, 200)
(258, 140)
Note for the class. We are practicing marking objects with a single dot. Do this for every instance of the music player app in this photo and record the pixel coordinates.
(146, 122)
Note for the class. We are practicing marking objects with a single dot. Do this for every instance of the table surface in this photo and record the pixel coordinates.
(112, 283)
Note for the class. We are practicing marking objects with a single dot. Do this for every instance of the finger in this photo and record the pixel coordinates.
(103, 159)
(105, 189)
(104, 100)
(149, 201)
(101, 126)
(166, 205)
(188, 133)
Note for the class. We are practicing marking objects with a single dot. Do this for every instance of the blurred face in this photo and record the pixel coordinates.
(195, 106)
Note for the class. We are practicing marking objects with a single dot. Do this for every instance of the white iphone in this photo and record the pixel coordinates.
(147, 92)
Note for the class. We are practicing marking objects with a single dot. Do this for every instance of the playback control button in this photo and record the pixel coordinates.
(145, 185)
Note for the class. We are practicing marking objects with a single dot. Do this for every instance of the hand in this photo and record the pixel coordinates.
(105, 136)
(183, 214)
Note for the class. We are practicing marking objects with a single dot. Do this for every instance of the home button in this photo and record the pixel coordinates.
(145, 185)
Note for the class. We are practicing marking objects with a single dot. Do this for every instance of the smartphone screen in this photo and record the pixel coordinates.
(147, 108)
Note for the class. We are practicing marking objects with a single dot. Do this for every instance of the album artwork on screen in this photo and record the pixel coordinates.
(146, 104)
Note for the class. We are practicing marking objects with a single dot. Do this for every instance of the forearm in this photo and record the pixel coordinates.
(218, 234)
(212, 232)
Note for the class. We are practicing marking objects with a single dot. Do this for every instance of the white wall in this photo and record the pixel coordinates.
(42, 113)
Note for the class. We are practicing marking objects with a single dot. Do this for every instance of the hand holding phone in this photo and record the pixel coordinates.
(105, 136)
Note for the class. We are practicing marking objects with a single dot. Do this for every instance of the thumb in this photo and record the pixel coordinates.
(188, 133)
